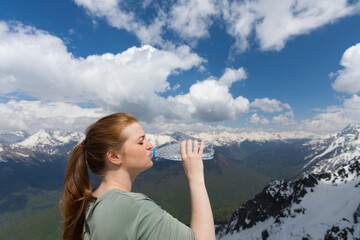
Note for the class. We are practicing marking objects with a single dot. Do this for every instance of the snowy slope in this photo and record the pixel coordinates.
(334, 150)
(322, 204)
(315, 206)
(44, 138)
(46, 141)
(39, 146)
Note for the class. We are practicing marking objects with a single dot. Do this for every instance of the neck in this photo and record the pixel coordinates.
(117, 179)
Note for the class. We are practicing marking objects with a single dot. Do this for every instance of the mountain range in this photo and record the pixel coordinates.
(323, 203)
(240, 172)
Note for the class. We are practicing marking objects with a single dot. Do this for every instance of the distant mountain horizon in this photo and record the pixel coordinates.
(15, 136)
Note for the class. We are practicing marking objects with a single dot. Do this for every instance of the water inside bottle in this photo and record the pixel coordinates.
(171, 151)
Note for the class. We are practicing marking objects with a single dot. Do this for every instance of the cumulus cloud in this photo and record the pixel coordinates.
(192, 18)
(285, 118)
(285, 18)
(232, 75)
(269, 105)
(348, 79)
(335, 118)
(34, 115)
(255, 118)
(210, 100)
(118, 17)
(37, 64)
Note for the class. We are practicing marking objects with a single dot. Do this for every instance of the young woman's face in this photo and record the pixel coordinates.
(136, 153)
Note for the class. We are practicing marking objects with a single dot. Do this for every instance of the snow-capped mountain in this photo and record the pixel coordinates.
(324, 203)
(45, 139)
(338, 149)
(315, 206)
(20, 145)
(38, 146)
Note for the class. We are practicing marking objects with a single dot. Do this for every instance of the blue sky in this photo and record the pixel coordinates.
(180, 65)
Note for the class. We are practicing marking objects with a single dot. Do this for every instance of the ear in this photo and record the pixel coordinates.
(114, 157)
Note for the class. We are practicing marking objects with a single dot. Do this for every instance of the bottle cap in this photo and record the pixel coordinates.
(153, 152)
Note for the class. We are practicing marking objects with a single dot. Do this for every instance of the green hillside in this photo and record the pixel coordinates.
(227, 181)
(44, 225)
(34, 214)
(26, 203)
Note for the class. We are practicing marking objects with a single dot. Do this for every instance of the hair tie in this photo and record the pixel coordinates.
(83, 144)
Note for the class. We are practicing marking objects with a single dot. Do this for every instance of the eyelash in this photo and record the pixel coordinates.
(141, 143)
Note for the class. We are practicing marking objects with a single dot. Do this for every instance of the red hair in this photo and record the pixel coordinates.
(101, 136)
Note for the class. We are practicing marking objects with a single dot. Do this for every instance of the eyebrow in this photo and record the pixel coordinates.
(143, 136)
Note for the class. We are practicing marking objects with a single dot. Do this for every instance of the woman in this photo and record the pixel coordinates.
(116, 149)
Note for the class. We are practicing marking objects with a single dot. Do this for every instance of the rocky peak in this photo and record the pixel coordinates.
(282, 205)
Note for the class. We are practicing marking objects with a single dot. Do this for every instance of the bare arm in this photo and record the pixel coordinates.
(202, 220)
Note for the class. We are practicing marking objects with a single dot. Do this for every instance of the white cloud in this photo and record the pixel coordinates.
(285, 118)
(255, 118)
(210, 100)
(348, 79)
(37, 64)
(232, 75)
(269, 105)
(192, 18)
(121, 19)
(239, 18)
(331, 75)
(175, 87)
(335, 118)
(189, 18)
(285, 18)
(34, 115)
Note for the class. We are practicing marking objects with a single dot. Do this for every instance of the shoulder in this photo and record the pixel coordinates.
(120, 206)
(118, 200)
(131, 203)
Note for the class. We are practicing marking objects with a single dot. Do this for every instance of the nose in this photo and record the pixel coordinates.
(150, 146)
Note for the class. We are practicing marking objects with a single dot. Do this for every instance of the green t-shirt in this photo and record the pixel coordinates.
(126, 215)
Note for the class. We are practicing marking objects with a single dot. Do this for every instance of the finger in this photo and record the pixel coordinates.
(183, 150)
(189, 147)
(196, 146)
(202, 146)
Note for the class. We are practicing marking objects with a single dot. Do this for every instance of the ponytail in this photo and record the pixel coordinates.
(101, 136)
(76, 196)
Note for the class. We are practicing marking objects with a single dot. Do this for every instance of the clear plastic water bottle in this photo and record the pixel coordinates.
(171, 151)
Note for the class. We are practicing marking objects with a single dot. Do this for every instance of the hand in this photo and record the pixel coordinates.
(192, 160)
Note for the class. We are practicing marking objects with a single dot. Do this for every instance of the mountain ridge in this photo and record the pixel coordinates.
(20, 143)
(323, 203)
